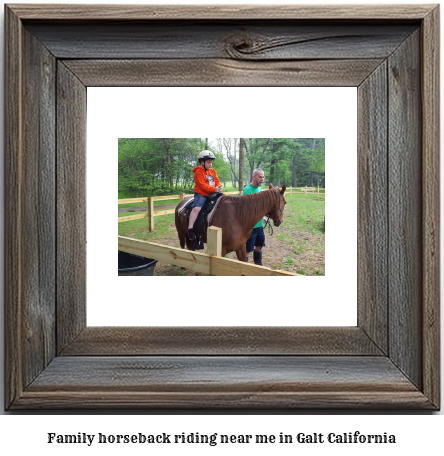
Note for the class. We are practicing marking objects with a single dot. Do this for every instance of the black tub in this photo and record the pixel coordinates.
(133, 265)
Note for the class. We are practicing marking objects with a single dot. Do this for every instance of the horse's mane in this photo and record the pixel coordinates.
(254, 205)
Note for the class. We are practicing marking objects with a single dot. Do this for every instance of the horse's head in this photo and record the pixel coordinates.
(277, 213)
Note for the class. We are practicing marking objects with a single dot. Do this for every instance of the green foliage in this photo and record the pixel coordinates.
(157, 166)
(163, 166)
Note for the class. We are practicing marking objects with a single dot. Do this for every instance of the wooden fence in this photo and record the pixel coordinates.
(206, 263)
(305, 190)
(151, 213)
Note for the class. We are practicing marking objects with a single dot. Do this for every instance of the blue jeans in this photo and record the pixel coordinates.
(199, 200)
(256, 239)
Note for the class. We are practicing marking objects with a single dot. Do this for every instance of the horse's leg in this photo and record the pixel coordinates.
(182, 238)
(241, 253)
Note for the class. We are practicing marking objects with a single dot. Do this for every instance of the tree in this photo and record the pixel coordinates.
(313, 151)
(161, 166)
(230, 147)
(241, 161)
(277, 159)
(256, 149)
(149, 166)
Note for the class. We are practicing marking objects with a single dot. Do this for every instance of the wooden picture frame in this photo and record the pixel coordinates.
(389, 360)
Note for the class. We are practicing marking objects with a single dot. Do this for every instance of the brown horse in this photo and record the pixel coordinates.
(237, 215)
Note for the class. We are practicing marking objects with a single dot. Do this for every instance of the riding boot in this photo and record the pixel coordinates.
(257, 256)
(191, 234)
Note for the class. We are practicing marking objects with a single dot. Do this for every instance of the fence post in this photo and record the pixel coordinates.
(214, 241)
(182, 196)
(150, 213)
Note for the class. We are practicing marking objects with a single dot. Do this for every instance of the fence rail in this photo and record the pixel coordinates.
(200, 262)
(151, 213)
(305, 190)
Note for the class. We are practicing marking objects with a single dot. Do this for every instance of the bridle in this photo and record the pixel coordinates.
(267, 222)
(279, 210)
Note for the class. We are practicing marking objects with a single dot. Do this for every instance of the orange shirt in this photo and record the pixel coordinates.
(205, 184)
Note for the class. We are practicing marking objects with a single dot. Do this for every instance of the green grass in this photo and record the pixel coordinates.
(138, 229)
(302, 231)
(129, 214)
(306, 212)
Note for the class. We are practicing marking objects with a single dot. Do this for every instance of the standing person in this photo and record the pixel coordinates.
(256, 240)
(206, 182)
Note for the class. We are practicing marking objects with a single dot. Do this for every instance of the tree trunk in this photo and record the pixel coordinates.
(273, 172)
(241, 162)
(168, 171)
(252, 168)
(294, 167)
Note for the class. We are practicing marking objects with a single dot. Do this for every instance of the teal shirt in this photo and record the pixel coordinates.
(252, 189)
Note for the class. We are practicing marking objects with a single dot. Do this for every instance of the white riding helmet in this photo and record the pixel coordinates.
(206, 154)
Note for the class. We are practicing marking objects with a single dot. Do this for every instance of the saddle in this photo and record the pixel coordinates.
(204, 217)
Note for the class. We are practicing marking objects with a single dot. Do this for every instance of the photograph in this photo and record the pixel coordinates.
(265, 197)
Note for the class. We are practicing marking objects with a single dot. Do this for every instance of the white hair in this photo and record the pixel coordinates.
(257, 170)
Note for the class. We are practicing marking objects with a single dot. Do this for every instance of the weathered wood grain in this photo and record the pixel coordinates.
(408, 377)
(372, 207)
(245, 40)
(71, 206)
(208, 373)
(430, 95)
(210, 72)
(14, 299)
(405, 209)
(38, 222)
(234, 382)
(220, 12)
(221, 341)
(259, 401)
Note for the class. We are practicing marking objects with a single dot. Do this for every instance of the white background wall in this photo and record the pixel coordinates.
(415, 432)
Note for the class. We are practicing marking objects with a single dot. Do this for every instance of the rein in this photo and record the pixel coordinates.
(270, 228)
